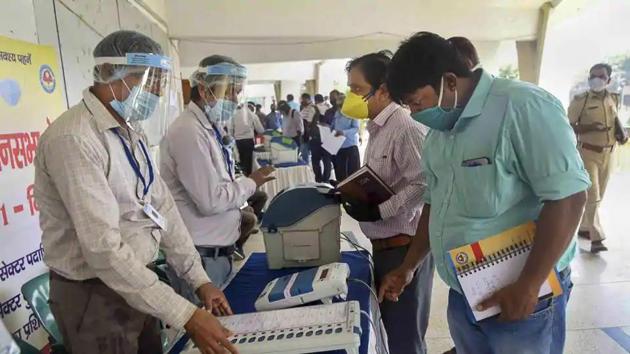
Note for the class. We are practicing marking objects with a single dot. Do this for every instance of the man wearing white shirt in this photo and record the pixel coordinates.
(394, 153)
(292, 125)
(198, 167)
(245, 125)
(105, 214)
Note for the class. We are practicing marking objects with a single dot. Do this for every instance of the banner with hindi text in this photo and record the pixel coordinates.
(30, 98)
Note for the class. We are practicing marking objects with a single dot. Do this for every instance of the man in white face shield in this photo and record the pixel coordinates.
(105, 213)
(198, 166)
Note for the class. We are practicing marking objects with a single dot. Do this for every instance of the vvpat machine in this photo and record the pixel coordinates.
(301, 227)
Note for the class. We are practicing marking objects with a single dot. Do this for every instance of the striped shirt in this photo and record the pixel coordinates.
(91, 213)
(394, 153)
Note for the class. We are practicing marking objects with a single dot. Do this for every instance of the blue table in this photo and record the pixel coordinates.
(252, 278)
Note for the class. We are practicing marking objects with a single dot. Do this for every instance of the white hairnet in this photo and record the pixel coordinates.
(217, 69)
(119, 44)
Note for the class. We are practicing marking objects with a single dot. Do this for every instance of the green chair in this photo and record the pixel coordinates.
(159, 267)
(25, 348)
(36, 293)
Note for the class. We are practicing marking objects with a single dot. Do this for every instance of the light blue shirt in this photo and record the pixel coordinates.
(294, 105)
(273, 121)
(349, 127)
(525, 134)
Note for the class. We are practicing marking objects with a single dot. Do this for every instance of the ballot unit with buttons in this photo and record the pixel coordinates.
(296, 330)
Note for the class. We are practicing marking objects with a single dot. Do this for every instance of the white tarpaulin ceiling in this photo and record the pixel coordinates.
(282, 30)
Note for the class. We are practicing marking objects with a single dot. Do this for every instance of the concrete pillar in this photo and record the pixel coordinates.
(277, 90)
(317, 73)
(528, 66)
(291, 87)
(310, 87)
(530, 52)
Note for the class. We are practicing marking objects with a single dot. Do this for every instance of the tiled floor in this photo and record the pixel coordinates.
(600, 298)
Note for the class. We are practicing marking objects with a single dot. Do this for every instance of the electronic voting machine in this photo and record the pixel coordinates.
(322, 283)
(301, 227)
(307, 329)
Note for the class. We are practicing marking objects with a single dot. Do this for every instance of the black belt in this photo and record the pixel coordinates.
(59, 277)
(596, 148)
(215, 252)
(54, 275)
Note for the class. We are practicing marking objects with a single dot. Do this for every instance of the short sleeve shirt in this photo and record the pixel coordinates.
(524, 135)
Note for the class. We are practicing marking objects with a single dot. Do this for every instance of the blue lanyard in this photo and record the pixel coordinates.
(136, 167)
(226, 153)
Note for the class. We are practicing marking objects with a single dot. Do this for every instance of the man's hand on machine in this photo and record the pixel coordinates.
(261, 175)
(361, 211)
(208, 334)
(214, 300)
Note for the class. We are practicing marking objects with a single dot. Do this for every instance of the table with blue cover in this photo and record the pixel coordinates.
(250, 281)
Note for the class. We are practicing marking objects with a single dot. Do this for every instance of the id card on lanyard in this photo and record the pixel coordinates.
(227, 159)
(148, 209)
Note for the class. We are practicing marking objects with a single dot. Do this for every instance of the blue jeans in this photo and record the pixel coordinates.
(305, 152)
(543, 332)
(406, 321)
(218, 270)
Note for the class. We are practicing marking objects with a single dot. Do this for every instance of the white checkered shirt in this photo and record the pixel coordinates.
(394, 153)
(92, 219)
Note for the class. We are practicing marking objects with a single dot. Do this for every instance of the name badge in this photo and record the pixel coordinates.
(153, 214)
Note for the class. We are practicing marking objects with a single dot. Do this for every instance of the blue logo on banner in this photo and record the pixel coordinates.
(47, 78)
(10, 91)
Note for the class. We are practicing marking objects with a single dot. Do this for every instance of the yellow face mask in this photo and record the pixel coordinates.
(354, 106)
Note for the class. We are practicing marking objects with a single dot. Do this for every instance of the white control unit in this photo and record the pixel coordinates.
(321, 283)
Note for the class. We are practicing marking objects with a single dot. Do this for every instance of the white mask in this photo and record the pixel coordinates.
(597, 84)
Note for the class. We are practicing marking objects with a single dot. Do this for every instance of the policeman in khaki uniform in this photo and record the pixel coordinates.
(593, 116)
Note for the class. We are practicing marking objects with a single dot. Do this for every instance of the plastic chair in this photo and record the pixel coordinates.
(25, 348)
(36, 292)
(159, 268)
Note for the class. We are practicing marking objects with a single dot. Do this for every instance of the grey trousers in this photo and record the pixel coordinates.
(218, 270)
(406, 321)
(94, 319)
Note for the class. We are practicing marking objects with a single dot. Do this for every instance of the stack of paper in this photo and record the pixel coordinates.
(330, 142)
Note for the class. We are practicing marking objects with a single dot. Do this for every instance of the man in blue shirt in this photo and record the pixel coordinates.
(273, 121)
(500, 153)
(347, 161)
(292, 103)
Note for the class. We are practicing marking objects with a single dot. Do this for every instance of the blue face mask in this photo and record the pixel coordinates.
(221, 112)
(138, 106)
(437, 117)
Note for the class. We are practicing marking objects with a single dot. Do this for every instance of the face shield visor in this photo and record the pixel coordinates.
(145, 92)
(222, 89)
